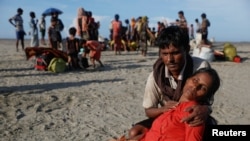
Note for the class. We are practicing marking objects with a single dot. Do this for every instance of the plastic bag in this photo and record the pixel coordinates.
(229, 51)
(204, 53)
(57, 65)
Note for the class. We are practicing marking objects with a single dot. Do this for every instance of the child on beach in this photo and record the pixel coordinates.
(95, 51)
(198, 89)
(54, 35)
(72, 45)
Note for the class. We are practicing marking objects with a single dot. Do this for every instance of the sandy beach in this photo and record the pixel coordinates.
(98, 105)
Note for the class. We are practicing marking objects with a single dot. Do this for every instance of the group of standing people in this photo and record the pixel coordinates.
(87, 31)
(136, 30)
(37, 26)
(87, 27)
(202, 28)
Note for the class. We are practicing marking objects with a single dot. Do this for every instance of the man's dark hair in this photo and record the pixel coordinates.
(32, 13)
(72, 31)
(181, 12)
(203, 15)
(127, 21)
(19, 10)
(117, 17)
(173, 35)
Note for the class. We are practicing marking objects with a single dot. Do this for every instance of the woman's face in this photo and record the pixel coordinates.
(196, 87)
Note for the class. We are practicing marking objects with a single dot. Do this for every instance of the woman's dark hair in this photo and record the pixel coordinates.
(208, 99)
(173, 35)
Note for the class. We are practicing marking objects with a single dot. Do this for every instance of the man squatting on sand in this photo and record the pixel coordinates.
(166, 81)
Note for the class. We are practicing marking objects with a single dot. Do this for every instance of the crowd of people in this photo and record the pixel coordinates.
(133, 34)
(135, 31)
(86, 30)
(179, 91)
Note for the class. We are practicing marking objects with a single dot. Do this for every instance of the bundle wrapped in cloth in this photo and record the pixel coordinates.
(37, 51)
(47, 58)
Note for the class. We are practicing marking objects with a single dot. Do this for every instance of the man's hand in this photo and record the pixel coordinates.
(170, 105)
(198, 115)
(155, 112)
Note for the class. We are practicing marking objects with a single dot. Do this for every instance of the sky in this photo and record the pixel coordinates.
(230, 19)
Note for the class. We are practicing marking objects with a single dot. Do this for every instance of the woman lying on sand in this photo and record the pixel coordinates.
(198, 89)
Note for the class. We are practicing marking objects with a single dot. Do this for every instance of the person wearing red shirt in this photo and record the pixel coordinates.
(116, 35)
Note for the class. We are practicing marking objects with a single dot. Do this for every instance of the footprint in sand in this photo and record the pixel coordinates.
(54, 98)
(19, 114)
(141, 60)
(40, 107)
